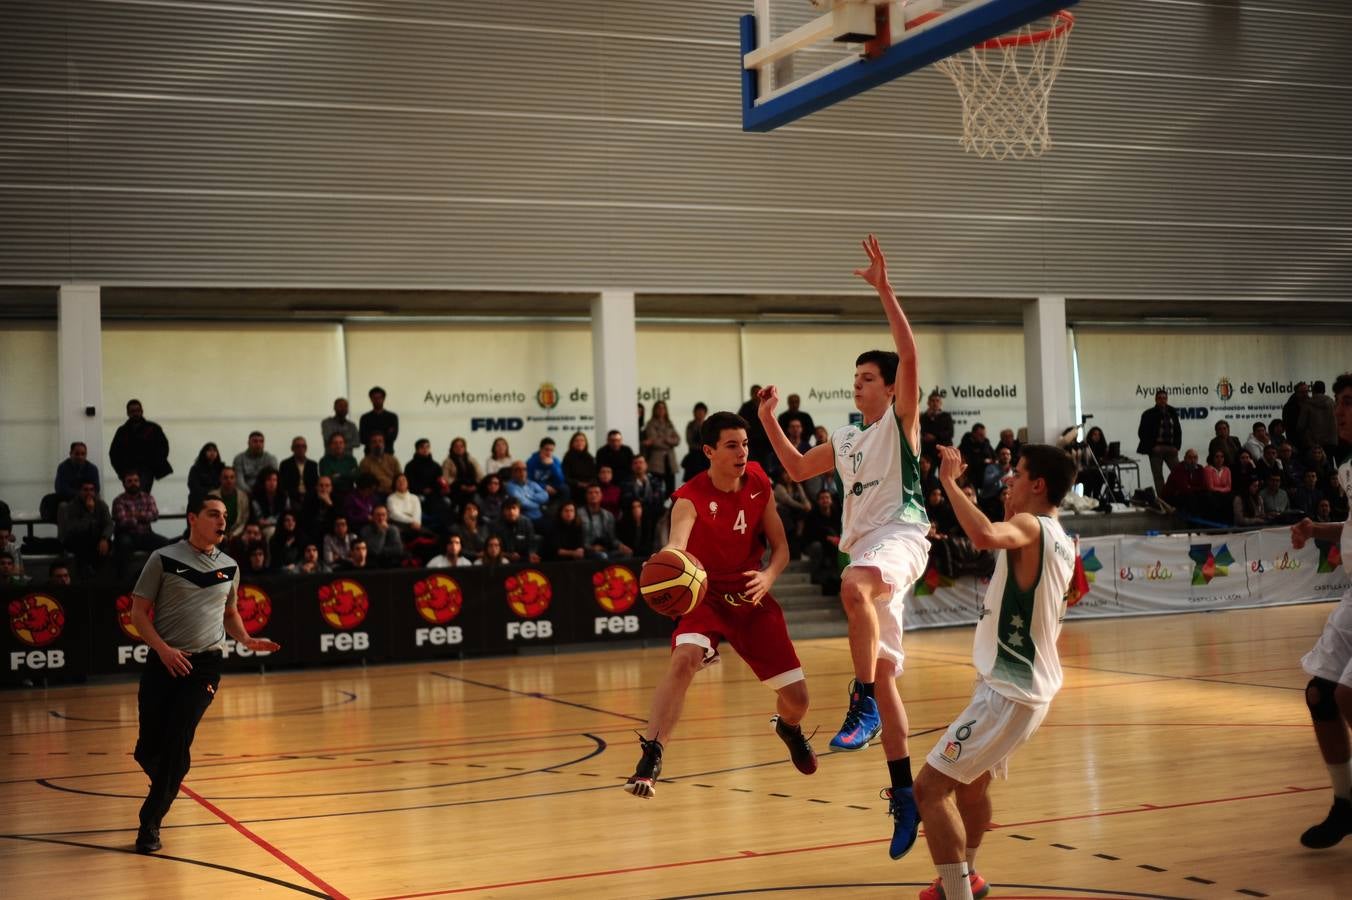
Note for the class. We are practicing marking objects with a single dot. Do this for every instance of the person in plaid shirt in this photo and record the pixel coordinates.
(134, 511)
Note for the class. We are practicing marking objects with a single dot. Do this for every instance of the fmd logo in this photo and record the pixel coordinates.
(489, 423)
(1193, 412)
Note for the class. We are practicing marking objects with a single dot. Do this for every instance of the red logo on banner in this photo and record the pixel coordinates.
(124, 617)
(528, 593)
(255, 607)
(616, 589)
(438, 598)
(343, 603)
(36, 619)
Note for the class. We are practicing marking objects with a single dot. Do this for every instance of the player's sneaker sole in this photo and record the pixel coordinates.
(640, 787)
(980, 888)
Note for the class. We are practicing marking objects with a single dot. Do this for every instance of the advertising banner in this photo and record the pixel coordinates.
(47, 633)
(939, 600)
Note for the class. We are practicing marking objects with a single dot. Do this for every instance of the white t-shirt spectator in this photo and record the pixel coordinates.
(405, 508)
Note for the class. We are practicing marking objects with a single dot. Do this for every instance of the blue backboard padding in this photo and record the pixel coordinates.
(964, 29)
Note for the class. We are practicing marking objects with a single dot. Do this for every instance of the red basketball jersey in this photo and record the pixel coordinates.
(728, 537)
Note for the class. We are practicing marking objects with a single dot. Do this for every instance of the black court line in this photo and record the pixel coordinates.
(536, 695)
(166, 857)
(914, 884)
(1198, 678)
(599, 749)
(349, 697)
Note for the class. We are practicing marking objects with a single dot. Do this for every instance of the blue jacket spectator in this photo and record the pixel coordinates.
(530, 494)
(546, 470)
(74, 471)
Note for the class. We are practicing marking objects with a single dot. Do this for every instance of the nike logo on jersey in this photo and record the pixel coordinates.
(757, 494)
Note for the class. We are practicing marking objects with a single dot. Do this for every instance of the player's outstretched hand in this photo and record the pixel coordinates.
(757, 586)
(1301, 532)
(951, 465)
(769, 399)
(876, 273)
(262, 645)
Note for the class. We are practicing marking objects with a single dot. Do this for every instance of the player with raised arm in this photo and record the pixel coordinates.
(724, 517)
(1329, 662)
(1014, 652)
(884, 535)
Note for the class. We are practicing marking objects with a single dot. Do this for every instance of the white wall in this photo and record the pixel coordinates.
(28, 422)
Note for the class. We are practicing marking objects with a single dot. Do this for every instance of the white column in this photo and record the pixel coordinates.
(1046, 360)
(79, 353)
(615, 366)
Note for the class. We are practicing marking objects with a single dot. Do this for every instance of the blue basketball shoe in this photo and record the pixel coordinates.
(905, 819)
(862, 722)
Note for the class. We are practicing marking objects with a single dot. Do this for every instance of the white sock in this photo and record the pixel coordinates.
(956, 885)
(971, 858)
(1341, 776)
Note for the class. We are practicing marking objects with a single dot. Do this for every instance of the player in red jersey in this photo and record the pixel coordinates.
(724, 517)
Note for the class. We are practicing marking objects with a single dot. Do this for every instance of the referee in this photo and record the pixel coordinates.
(189, 587)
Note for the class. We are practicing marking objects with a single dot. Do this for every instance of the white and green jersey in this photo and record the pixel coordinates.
(879, 476)
(1015, 644)
(1345, 545)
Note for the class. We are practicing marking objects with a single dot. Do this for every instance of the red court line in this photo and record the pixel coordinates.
(235, 824)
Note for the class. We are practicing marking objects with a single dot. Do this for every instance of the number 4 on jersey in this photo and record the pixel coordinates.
(740, 524)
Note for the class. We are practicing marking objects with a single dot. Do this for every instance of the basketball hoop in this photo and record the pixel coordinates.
(1005, 84)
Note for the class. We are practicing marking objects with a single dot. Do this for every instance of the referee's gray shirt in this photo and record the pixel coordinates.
(188, 589)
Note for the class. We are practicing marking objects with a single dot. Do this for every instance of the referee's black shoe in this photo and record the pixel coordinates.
(147, 839)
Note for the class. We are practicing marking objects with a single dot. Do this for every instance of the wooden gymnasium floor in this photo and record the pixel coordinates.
(1177, 762)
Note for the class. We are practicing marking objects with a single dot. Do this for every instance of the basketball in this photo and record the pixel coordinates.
(673, 582)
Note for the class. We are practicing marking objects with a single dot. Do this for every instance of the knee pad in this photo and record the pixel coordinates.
(1323, 708)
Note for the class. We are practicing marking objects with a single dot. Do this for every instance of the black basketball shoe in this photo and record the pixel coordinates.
(800, 751)
(641, 783)
(1337, 826)
(147, 839)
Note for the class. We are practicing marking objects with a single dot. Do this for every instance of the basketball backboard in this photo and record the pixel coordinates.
(800, 56)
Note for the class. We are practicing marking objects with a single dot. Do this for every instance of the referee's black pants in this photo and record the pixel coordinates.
(170, 710)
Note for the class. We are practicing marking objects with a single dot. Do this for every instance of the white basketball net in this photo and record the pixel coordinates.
(1005, 85)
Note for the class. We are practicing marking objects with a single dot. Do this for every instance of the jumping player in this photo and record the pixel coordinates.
(724, 516)
(1329, 663)
(1014, 652)
(884, 534)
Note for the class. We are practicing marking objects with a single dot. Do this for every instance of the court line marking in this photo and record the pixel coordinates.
(1092, 893)
(536, 695)
(261, 842)
(167, 858)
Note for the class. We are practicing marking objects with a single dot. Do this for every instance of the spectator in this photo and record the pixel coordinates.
(462, 472)
(140, 446)
(1258, 439)
(517, 535)
(1186, 484)
(406, 507)
(268, 501)
(1275, 500)
(529, 494)
(422, 471)
(793, 507)
(994, 480)
(339, 465)
(794, 414)
(976, 450)
(694, 460)
(10, 545)
(338, 543)
(645, 488)
(339, 423)
(359, 504)
(379, 421)
(1160, 438)
(490, 499)
(1244, 470)
(618, 456)
(1293, 409)
(798, 436)
(758, 442)
(439, 513)
(1089, 458)
(567, 540)
(544, 469)
(928, 480)
(499, 458)
(74, 471)
(236, 500)
(319, 510)
(659, 441)
(1007, 439)
(205, 474)
(357, 557)
(256, 560)
(1291, 466)
(943, 520)
(1225, 442)
(1306, 497)
(10, 574)
(1270, 463)
(58, 575)
(936, 427)
(821, 537)
(85, 528)
(1323, 512)
(635, 529)
(611, 492)
(287, 542)
(598, 528)
(383, 543)
(473, 533)
(579, 466)
(239, 547)
(1219, 485)
(450, 557)
(642, 420)
(1316, 425)
(311, 563)
(492, 556)
(1318, 459)
(1276, 432)
(298, 473)
(381, 466)
(821, 436)
(253, 460)
(134, 512)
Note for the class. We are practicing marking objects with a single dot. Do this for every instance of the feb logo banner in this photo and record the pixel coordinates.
(529, 593)
(36, 620)
(255, 608)
(615, 589)
(438, 598)
(124, 622)
(344, 603)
